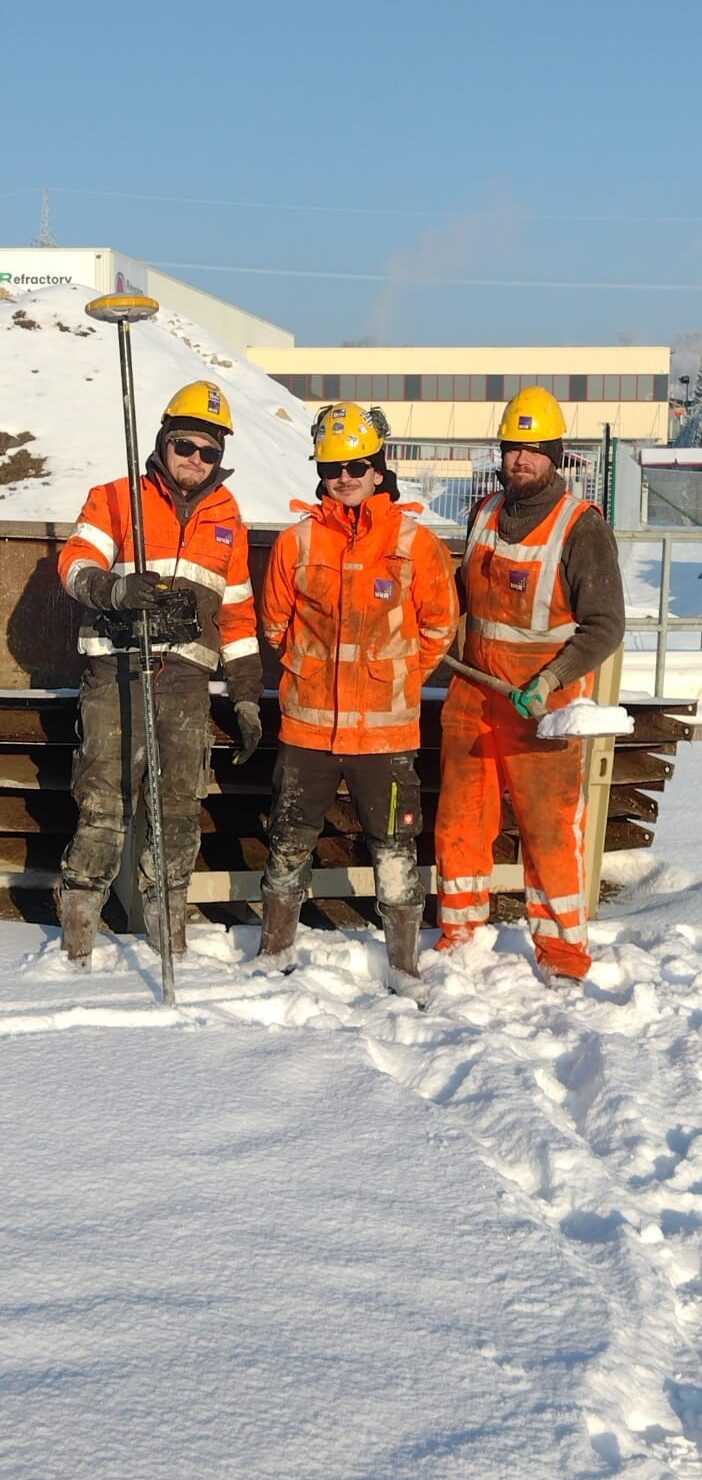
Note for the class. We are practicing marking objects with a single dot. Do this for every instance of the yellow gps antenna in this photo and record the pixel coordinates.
(124, 309)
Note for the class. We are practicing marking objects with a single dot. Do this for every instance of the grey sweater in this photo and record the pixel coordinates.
(591, 577)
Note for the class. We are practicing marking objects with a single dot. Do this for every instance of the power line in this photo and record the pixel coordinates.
(346, 210)
(399, 280)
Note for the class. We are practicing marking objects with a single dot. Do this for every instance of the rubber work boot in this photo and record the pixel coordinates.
(402, 924)
(281, 913)
(80, 911)
(558, 980)
(177, 901)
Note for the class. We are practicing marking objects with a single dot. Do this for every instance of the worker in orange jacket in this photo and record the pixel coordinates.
(197, 593)
(544, 608)
(359, 601)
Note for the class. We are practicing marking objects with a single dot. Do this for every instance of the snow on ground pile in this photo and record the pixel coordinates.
(294, 1227)
(60, 380)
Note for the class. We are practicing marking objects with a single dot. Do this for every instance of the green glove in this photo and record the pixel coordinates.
(531, 701)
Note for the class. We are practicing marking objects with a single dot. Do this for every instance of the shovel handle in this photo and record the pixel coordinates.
(499, 684)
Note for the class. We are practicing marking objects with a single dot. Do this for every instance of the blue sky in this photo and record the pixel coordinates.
(369, 158)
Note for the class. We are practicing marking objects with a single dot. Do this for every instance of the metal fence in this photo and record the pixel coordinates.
(664, 625)
(452, 486)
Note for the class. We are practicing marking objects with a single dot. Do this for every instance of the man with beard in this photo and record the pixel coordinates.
(545, 607)
(198, 596)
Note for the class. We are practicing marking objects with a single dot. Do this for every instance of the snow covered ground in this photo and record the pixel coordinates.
(295, 1228)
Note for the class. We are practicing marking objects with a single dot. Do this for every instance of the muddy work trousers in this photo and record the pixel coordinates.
(384, 790)
(109, 769)
(488, 749)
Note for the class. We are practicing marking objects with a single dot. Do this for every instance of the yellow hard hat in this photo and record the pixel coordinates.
(204, 401)
(344, 431)
(533, 415)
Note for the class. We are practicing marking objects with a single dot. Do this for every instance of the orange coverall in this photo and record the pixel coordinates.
(518, 620)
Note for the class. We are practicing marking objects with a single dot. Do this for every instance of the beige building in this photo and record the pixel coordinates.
(450, 396)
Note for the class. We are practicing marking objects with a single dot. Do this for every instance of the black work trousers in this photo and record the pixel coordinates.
(385, 792)
(109, 769)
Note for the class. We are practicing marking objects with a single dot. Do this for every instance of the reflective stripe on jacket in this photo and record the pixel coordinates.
(361, 610)
(209, 555)
(518, 614)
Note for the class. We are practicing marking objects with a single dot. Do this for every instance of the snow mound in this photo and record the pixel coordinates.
(60, 383)
(584, 717)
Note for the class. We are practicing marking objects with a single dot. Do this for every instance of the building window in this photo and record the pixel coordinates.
(645, 388)
(379, 387)
(445, 388)
(577, 390)
(511, 386)
(611, 387)
(330, 387)
(347, 387)
(298, 385)
(628, 388)
(494, 387)
(595, 387)
(413, 388)
(477, 388)
(428, 392)
(660, 387)
(461, 387)
(396, 387)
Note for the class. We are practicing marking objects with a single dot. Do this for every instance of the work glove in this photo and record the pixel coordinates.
(248, 718)
(137, 591)
(531, 701)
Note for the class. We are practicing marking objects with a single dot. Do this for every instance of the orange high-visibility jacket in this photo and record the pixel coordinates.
(518, 614)
(210, 556)
(360, 612)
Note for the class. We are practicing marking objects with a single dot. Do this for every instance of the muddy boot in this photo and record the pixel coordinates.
(80, 911)
(281, 913)
(177, 902)
(402, 924)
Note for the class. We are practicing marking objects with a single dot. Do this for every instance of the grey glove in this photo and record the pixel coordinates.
(137, 591)
(248, 718)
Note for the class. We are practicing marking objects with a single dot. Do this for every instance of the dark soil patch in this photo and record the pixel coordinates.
(20, 466)
(7, 440)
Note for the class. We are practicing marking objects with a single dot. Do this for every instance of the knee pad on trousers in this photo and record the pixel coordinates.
(397, 880)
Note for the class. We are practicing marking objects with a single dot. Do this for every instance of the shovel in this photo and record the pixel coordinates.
(582, 718)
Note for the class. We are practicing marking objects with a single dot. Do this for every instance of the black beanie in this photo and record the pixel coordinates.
(553, 449)
(178, 424)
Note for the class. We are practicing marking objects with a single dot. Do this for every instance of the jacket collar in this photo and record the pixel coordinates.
(372, 513)
(184, 506)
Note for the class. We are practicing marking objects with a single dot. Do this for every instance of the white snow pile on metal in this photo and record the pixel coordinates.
(584, 717)
(60, 381)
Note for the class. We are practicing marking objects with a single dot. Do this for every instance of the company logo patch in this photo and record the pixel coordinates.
(382, 588)
(223, 535)
(518, 580)
(214, 400)
(526, 423)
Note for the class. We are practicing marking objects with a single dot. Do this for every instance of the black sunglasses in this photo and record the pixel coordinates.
(355, 469)
(185, 448)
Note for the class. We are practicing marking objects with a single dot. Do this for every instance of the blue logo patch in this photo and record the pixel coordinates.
(526, 423)
(383, 589)
(518, 580)
(214, 400)
(223, 535)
